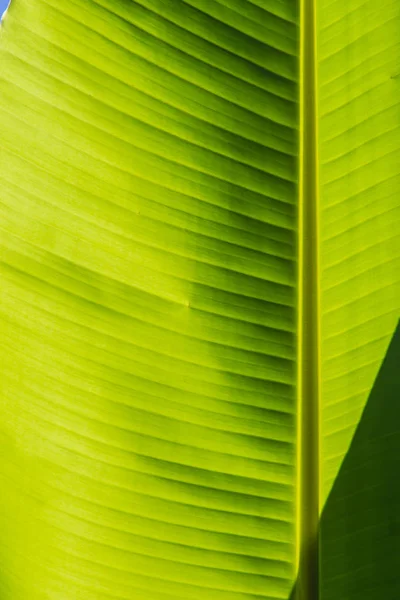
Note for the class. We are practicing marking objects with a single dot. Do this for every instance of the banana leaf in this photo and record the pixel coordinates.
(199, 293)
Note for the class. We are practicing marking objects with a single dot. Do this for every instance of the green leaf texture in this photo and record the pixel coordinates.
(152, 432)
(359, 150)
(148, 240)
(359, 153)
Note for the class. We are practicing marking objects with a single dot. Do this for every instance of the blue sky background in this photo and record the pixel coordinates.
(3, 5)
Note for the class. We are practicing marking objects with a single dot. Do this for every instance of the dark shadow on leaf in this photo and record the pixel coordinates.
(359, 534)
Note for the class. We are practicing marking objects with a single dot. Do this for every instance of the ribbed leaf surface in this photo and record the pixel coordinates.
(148, 171)
(359, 141)
(359, 145)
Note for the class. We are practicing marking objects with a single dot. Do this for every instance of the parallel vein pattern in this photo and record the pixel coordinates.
(359, 57)
(148, 171)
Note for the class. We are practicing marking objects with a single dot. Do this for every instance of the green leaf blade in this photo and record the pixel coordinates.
(148, 309)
